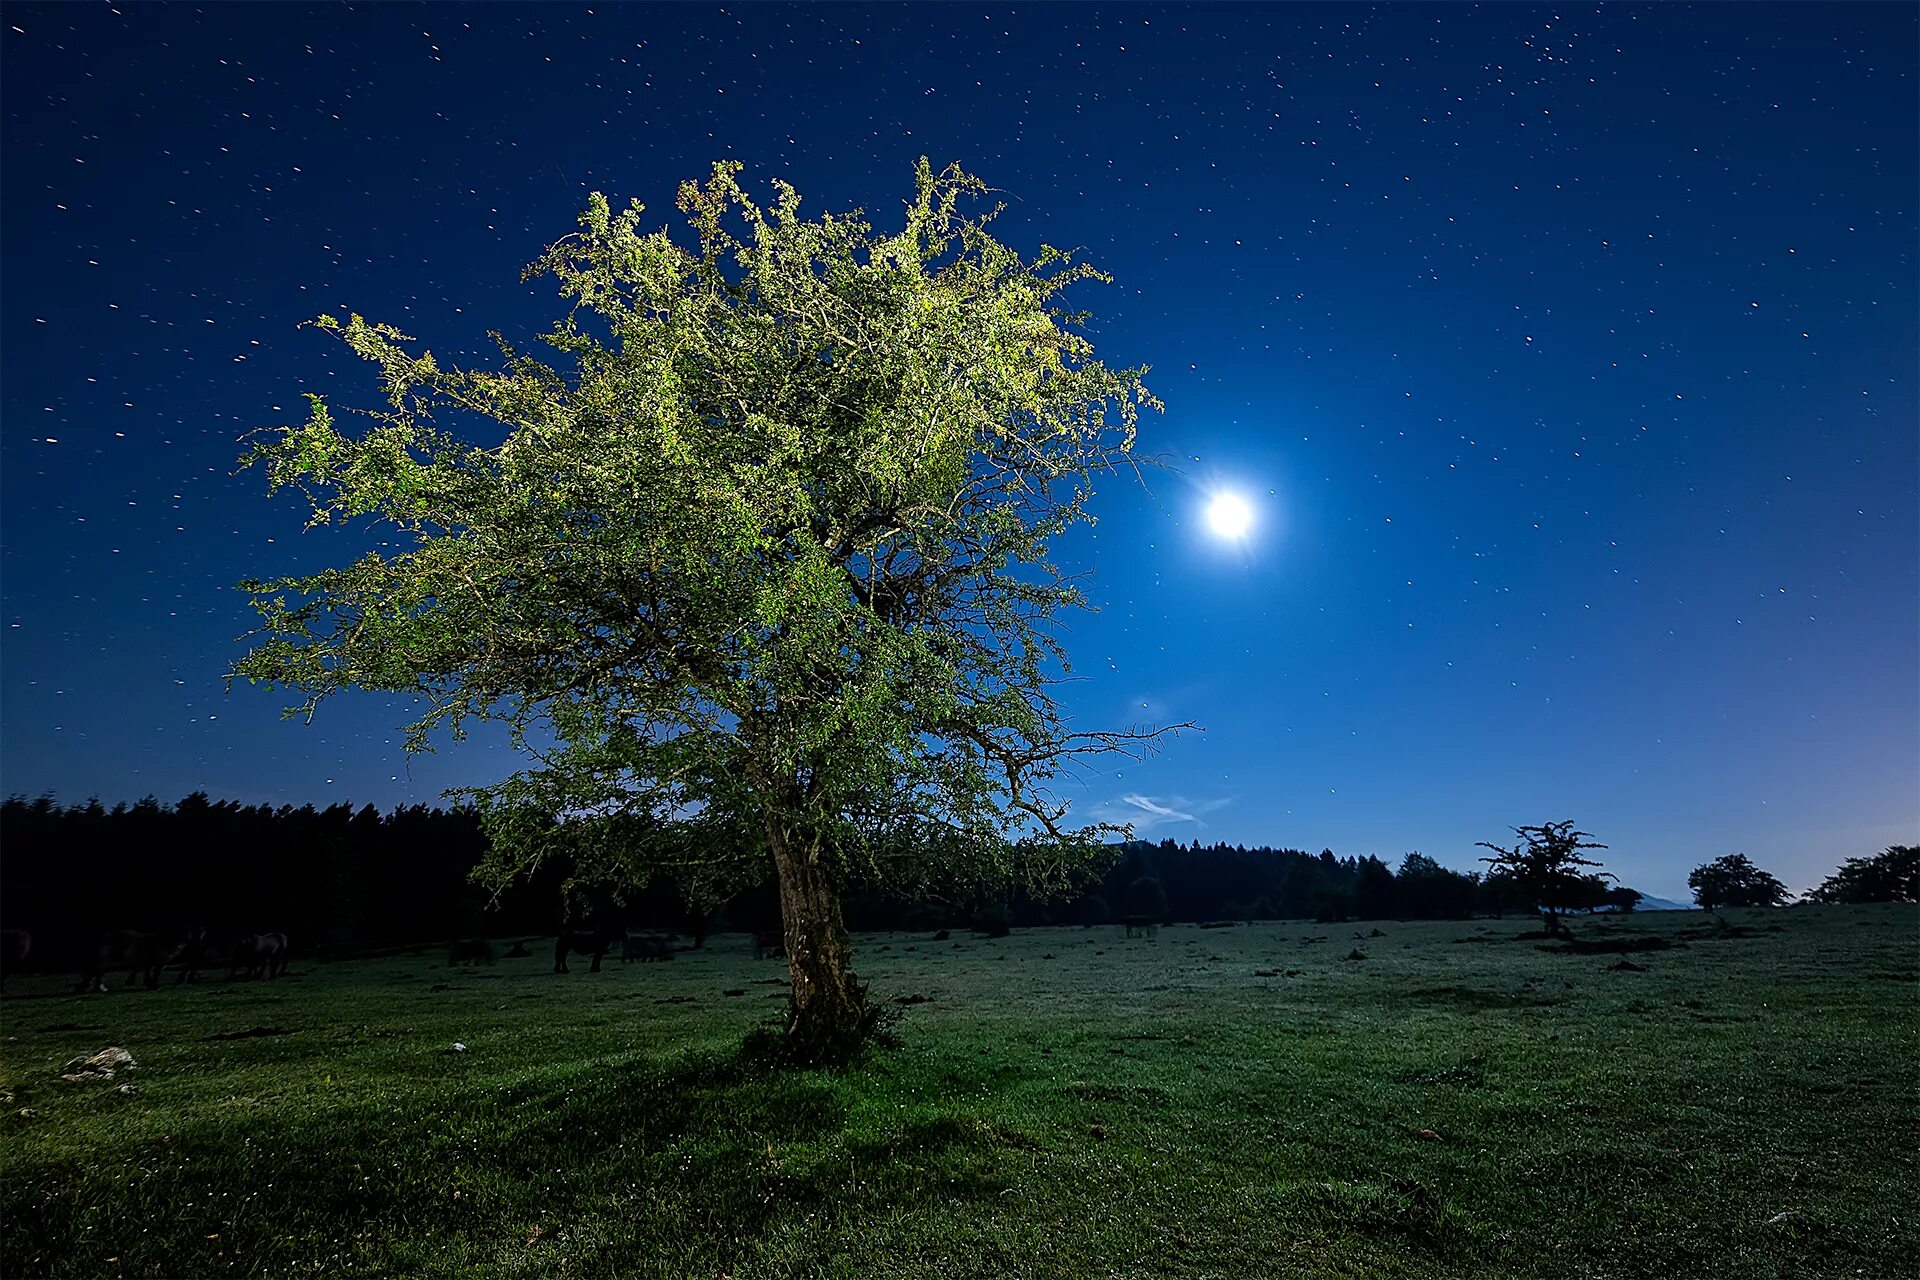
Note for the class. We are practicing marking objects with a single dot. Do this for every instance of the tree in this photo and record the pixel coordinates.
(1586, 893)
(1733, 881)
(1623, 899)
(767, 550)
(1893, 875)
(1545, 867)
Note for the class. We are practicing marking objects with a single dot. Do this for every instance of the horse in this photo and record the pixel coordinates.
(14, 946)
(261, 955)
(142, 955)
(189, 954)
(586, 942)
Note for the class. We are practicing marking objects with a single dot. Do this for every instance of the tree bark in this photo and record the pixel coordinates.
(828, 1018)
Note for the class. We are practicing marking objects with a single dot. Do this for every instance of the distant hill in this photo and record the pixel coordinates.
(1650, 903)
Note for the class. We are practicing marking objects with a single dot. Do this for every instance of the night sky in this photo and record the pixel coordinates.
(1567, 357)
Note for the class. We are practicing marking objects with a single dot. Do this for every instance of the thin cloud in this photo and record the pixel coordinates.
(1152, 813)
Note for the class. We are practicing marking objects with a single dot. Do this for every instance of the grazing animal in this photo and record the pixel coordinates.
(261, 955)
(469, 951)
(14, 946)
(585, 942)
(189, 954)
(1143, 925)
(769, 942)
(142, 955)
(644, 946)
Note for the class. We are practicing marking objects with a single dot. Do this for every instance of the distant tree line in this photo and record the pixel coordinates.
(344, 877)
(336, 877)
(341, 878)
(1233, 882)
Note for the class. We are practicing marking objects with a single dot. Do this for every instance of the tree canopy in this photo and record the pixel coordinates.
(1892, 875)
(765, 550)
(1733, 881)
(1545, 866)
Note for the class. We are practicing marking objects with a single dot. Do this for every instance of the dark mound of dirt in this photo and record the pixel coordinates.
(251, 1033)
(1609, 946)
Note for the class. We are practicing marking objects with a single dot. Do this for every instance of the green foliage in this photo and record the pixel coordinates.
(763, 553)
(1733, 881)
(1545, 867)
(1892, 875)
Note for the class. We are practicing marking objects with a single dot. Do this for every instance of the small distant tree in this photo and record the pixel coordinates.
(1587, 893)
(1623, 899)
(1547, 868)
(1733, 881)
(1892, 875)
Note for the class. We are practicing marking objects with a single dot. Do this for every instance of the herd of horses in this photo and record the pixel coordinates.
(145, 957)
(595, 940)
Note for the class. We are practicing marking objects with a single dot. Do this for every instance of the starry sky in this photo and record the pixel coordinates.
(1566, 355)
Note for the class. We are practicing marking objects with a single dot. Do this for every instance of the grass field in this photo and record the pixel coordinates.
(1229, 1102)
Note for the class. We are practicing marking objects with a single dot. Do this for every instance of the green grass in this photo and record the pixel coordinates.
(1067, 1102)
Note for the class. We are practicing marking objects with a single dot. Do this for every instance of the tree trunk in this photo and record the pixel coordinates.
(828, 1015)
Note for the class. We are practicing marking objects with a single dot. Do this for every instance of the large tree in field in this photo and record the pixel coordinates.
(1545, 867)
(1733, 881)
(763, 552)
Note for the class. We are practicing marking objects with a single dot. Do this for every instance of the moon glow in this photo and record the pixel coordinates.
(1229, 516)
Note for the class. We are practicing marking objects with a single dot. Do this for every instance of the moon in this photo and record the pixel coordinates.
(1229, 516)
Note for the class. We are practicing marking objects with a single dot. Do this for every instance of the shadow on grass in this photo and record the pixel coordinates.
(700, 1159)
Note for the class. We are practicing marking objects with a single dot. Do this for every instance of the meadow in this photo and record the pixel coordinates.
(1674, 1098)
